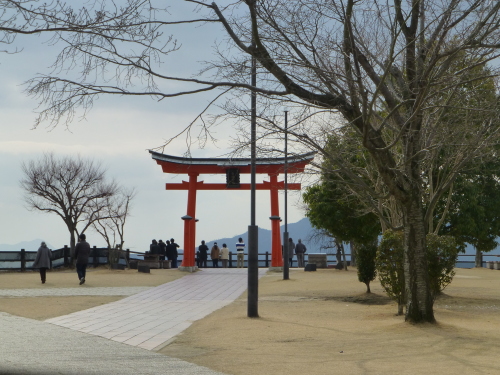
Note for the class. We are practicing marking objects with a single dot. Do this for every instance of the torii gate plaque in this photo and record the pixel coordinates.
(232, 168)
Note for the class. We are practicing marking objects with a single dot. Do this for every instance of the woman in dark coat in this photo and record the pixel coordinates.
(42, 260)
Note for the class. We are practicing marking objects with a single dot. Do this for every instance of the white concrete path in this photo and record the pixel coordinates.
(150, 319)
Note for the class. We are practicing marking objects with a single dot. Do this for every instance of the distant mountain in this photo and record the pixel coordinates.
(301, 229)
(26, 245)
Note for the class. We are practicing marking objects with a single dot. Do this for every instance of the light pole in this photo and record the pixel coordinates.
(286, 271)
(253, 250)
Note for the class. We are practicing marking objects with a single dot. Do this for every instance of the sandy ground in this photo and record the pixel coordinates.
(42, 308)
(323, 323)
(315, 323)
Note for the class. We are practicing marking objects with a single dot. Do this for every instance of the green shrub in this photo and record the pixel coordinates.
(442, 253)
(389, 263)
(366, 255)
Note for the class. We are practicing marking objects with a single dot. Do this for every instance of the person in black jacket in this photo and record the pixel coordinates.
(82, 251)
(163, 249)
(300, 250)
(174, 251)
(202, 255)
(168, 252)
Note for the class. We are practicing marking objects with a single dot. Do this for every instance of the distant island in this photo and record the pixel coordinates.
(32, 245)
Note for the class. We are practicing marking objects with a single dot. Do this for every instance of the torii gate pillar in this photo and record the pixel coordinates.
(188, 260)
(276, 249)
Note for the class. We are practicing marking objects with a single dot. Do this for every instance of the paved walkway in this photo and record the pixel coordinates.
(150, 319)
(146, 320)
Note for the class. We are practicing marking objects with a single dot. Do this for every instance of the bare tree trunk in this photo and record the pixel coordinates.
(419, 300)
(368, 287)
(353, 253)
(400, 308)
(72, 245)
(343, 255)
(479, 258)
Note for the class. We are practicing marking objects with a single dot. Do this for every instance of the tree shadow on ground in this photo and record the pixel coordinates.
(364, 299)
(448, 302)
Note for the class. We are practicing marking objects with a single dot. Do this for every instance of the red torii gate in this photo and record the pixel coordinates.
(193, 167)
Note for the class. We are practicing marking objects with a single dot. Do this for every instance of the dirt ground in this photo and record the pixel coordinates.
(42, 308)
(323, 323)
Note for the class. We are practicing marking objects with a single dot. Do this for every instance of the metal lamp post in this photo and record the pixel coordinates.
(286, 270)
(253, 250)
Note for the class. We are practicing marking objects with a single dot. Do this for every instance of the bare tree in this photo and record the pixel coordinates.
(111, 223)
(384, 68)
(74, 189)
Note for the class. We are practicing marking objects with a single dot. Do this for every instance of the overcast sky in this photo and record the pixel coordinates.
(118, 132)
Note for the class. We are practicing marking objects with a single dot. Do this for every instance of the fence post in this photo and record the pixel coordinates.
(66, 255)
(267, 259)
(127, 255)
(230, 259)
(23, 260)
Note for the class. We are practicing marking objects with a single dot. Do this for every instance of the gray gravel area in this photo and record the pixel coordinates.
(33, 347)
(64, 292)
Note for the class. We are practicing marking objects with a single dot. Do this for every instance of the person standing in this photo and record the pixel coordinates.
(175, 253)
(163, 249)
(202, 255)
(240, 253)
(169, 252)
(338, 255)
(300, 250)
(224, 255)
(82, 251)
(214, 255)
(154, 248)
(291, 249)
(42, 261)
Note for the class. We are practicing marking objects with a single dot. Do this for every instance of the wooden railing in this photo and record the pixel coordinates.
(21, 260)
